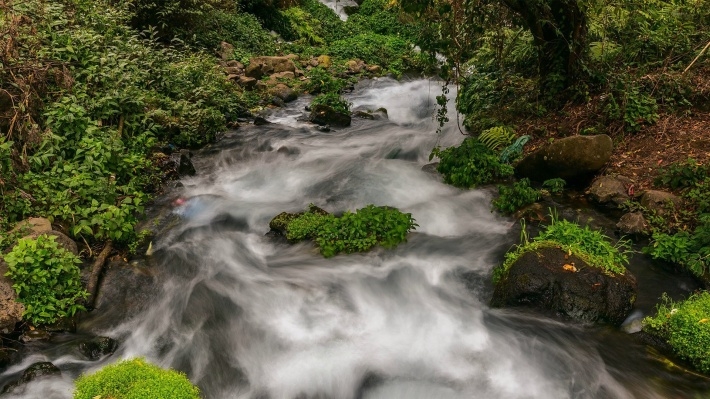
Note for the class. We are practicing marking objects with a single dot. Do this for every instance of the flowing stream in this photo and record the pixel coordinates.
(247, 316)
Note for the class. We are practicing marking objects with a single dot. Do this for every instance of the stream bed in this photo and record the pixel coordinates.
(246, 316)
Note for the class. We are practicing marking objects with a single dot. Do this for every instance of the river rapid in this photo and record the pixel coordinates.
(246, 316)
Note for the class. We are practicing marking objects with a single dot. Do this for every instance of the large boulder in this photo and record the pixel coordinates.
(611, 190)
(552, 280)
(322, 114)
(261, 66)
(571, 158)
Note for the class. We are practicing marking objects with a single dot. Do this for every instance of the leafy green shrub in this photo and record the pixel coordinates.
(629, 104)
(682, 174)
(555, 185)
(690, 250)
(322, 81)
(135, 379)
(591, 246)
(334, 101)
(46, 279)
(470, 164)
(352, 232)
(389, 52)
(685, 326)
(512, 198)
(497, 137)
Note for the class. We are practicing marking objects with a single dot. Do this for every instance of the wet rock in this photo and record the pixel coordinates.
(284, 92)
(277, 102)
(260, 121)
(550, 279)
(32, 373)
(34, 336)
(124, 290)
(659, 201)
(364, 115)
(324, 128)
(262, 66)
(97, 347)
(8, 357)
(431, 168)
(288, 151)
(10, 310)
(532, 213)
(610, 189)
(322, 114)
(185, 167)
(633, 223)
(247, 82)
(571, 158)
(380, 114)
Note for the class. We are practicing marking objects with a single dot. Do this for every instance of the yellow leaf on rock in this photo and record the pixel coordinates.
(569, 268)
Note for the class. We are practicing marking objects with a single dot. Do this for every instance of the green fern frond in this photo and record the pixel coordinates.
(497, 137)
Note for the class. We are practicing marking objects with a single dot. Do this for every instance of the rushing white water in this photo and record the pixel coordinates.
(249, 317)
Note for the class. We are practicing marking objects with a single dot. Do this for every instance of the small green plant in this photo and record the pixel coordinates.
(682, 174)
(685, 326)
(555, 185)
(357, 231)
(497, 137)
(470, 164)
(334, 101)
(514, 197)
(591, 246)
(135, 379)
(690, 250)
(46, 279)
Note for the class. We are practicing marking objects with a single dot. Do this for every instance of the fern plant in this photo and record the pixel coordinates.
(497, 137)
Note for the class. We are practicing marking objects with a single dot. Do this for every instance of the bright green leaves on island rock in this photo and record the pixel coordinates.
(357, 231)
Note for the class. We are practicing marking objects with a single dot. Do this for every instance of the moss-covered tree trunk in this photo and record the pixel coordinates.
(559, 28)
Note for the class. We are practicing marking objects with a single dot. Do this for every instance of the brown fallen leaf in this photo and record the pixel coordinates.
(569, 268)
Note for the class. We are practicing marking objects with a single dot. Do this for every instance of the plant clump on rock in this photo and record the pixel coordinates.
(685, 326)
(470, 164)
(568, 269)
(357, 231)
(135, 379)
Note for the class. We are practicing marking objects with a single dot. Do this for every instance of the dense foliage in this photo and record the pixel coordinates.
(100, 98)
(685, 326)
(135, 379)
(683, 236)
(357, 231)
(511, 198)
(471, 164)
(46, 279)
(591, 246)
(334, 101)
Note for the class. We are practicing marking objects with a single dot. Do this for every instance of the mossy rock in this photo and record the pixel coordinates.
(551, 279)
(135, 378)
(280, 222)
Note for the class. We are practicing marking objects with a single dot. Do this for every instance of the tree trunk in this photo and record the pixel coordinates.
(559, 29)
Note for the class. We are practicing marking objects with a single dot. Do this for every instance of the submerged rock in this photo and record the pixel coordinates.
(322, 114)
(284, 92)
(280, 222)
(571, 158)
(550, 279)
(97, 347)
(33, 372)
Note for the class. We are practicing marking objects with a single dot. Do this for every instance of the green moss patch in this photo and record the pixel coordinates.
(685, 326)
(135, 379)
